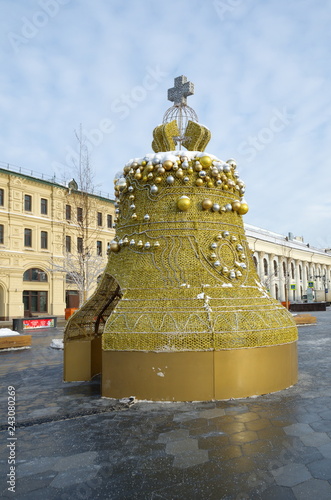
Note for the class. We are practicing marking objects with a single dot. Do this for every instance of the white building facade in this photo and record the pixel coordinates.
(289, 268)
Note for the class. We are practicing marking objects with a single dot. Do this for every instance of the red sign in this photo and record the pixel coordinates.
(38, 323)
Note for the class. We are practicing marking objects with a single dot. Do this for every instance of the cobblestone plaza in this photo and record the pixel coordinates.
(71, 443)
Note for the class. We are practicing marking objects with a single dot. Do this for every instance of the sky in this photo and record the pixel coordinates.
(261, 71)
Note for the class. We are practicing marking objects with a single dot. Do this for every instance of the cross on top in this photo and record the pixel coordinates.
(180, 91)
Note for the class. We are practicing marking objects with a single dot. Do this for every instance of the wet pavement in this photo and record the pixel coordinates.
(72, 444)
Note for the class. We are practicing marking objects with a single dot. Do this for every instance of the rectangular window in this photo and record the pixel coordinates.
(1, 233)
(2, 197)
(68, 244)
(28, 237)
(99, 219)
(109, 221)
(80, 245)
(99, 247)
(43, 239)
(68, 212)
(79, 214)
(27, 203)
(43, 206)
(34, 302)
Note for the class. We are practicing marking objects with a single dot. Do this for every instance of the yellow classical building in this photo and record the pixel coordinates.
(53, 244)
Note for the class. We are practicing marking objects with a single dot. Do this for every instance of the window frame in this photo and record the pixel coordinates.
(68, 243)
(79, 244)
(2, 197)
(2, 234)
(28, 275)
(44, 206)
(68, 212)
(38, 295)
(28, 237)
(44, 240)
(99, 219)
(99, 248)
(109, 221)
(79, 214)
(27, 203)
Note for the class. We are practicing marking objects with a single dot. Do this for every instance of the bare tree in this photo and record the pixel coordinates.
(82, 262)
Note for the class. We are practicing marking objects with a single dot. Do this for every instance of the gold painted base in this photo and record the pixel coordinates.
(82, 359)
(199, 376)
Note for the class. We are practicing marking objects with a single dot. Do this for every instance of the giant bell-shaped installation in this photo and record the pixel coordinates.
(180, 313)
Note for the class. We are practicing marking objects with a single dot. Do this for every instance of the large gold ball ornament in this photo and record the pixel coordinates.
(210, 184)
(199, 182)
(114, 246)
(179, 173)
(197, 167)
(157, 180)
(137, 176)
(206, 161)
(160, 171)
(190, 170)
(207, 204)
(243, 209)
(183, 203)
(168, 164)
(236, 205)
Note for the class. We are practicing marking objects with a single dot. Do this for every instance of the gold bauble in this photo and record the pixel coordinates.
(183, 203)
(199, 182)
(157, 180)
(236, 205)
(114, 247)
(210, 184)
(150, 176)
(206, 161)
(149, 168)
(168, 164)
(243, 209)
(144, 162)
(190, 170)
(179, 173)
(137, 176)
(198, 167)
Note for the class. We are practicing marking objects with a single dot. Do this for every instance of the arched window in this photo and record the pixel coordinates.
(284, 269)
(276, 292)
(265, 266)
(300, 272)
(275, 268)
(34, 274)
(255, 261)
(292, 270)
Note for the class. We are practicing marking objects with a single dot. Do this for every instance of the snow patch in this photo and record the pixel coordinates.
(6, 332)
(56, 344)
